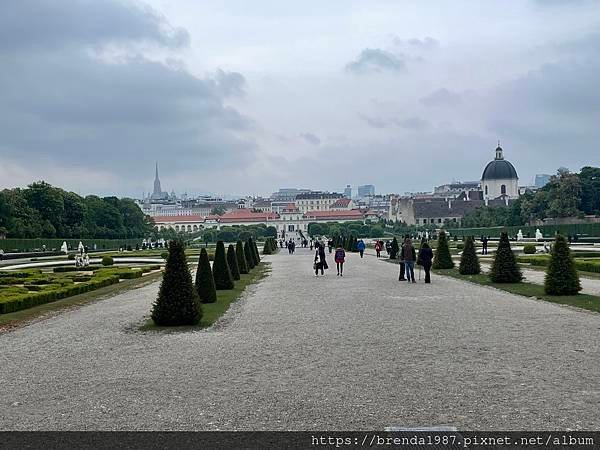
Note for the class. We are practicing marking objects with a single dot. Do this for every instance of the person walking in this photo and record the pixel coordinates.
(320, 262)
(378, 248)
(408, 255)
(484, 245)
(360, 247)
(426, 258)
(340, 258)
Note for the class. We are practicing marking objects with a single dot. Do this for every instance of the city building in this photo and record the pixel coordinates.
(316, 201)
(348, 191)
(366, 190)
(541, 180)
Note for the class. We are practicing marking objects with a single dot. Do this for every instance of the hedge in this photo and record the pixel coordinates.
(19, 302)
(11, 244)
(75, 269)
(549, 231)
(544, 261)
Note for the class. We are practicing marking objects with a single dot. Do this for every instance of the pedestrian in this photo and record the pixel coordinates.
(340, 258)
(311, 244)
(378, 248)
(293, 247)
(426, 258)
(484, 245)
(360, 246)
(330, 245)
(320, 262)
(408, 255)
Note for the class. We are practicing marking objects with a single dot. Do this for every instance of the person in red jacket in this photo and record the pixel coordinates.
(340, 258)
(378, 248)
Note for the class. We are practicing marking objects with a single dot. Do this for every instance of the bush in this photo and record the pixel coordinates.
(205, 283)
(561, 277)
(267, 250)
(249, 256)
(164, 255)
(71, 256)
(529, 249)
(469, 263)
(107, 261)
(232, 261)
(241, 257)
(177, 302)
(504, 268)
(254, 250)
(221, 271)
(442, 258)
(460, 246)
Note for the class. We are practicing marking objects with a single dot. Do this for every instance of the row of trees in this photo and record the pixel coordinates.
(566, 195)
(44, 211)
(179, 301)
(561, 276)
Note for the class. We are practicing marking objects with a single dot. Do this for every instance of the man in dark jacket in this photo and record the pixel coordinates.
(409, 256)
(425, 259)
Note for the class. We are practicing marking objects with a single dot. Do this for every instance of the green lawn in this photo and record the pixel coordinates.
(584, 301)
(211, 312)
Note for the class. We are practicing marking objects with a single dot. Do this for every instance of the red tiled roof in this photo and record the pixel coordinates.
(247, 215)
(179, 219)
(348, 214)
(341, 203)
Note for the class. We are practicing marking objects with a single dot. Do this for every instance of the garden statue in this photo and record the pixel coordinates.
(520, 236)
(538, 235)
(80, 248)
(64, 248)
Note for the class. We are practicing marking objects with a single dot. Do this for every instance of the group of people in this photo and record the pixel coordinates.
(408, 258)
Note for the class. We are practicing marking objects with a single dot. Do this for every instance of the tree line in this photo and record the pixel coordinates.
(45, 211)
(565, 195)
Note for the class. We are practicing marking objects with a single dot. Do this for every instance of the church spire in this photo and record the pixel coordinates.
(157, 192)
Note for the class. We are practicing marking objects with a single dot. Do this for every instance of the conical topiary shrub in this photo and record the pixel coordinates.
(232, 261)
(394, 248)
(177, 302)
(241, 257)
(249, 256)
(442, 258)
(221, 271)
(504, 268)
(267, 248)
(205, 283)
(255, 251)
(469, 262)
(561, 277)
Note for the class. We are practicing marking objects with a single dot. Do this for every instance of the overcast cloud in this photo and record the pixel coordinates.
(245, 97)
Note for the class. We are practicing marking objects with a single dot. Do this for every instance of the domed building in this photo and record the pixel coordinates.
(499, 178)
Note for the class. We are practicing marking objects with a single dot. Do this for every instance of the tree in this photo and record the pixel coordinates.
(249, 255)
(221, 271)
(469, 262)
(395, 248)
(177, 302)
(205, 282)
(232, 261)
(241, 257)
(218, 210)
(504, 268)
(561, 277)
(254, 250)
(442, 258)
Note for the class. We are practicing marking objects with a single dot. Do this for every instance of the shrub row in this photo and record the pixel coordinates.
(20, 302)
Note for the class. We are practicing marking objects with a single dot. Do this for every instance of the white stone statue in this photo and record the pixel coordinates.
(80, 247)
(520, 236)
(64, 248)
(427, 235)
(538, 235)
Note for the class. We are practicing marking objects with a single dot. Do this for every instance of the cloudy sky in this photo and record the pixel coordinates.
(241, 96)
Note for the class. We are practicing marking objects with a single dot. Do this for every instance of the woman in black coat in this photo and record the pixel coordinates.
(320, 261)
(426, 258)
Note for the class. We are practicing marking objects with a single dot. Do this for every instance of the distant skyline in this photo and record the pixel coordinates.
(245, 97)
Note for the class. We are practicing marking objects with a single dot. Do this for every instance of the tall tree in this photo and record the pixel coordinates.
(241, 257)
(504, 268)
(469, 263)
(442, 258)
(561, 277)
(221, 271)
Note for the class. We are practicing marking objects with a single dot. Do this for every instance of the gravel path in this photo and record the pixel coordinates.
(299, 352)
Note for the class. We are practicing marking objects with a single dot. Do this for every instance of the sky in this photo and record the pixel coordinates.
(244, 97)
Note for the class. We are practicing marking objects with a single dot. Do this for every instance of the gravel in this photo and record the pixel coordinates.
(298, 352)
